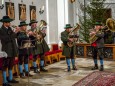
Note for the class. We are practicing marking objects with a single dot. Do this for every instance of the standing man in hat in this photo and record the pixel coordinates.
(22, 38)
(7, 37)
(68, 51)
(98, 45)
(40, 48)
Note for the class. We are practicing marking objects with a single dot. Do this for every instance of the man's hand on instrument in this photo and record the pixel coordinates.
(92, 33)
(71, 39)
(43, 31)
(30, 33)
(17, 29)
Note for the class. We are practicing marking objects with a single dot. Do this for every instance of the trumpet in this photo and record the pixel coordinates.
(14, 26)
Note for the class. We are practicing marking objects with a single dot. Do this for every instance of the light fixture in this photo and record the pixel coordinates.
(2, 4)
(41, 10)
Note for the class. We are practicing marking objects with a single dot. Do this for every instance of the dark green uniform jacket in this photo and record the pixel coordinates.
(41, 47)
(8, 41)
(67, 51)
(22, 39)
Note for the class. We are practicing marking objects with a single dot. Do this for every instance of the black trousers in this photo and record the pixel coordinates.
(23, 58)
(36, 56)
(8, 63)
(97, 51)
(42, 56)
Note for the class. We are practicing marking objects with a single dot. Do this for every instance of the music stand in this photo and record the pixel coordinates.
(27, 44)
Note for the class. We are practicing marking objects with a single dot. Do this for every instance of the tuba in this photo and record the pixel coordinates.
(39, 34)
(110, 24)
(73, 35)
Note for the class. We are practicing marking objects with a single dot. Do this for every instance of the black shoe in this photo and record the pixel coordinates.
(6, 84)
(22, 76)
(13, 81)
(36, 70)
(95, 67)
(101, 68)
(74, 68)
(42, 69)
(28, 74)
(69, 69)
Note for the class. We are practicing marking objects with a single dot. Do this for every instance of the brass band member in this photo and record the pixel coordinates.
(35, 53)
(7, 37)
(41, 48)
(98, 45)
(22, 38)
(68, 51)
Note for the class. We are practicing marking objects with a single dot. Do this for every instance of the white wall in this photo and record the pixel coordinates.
(61, 18)
(53, 21)
(71, 13)
(37, 3)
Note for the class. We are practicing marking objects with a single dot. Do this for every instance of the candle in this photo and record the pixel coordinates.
(2, 1)
(43, 7)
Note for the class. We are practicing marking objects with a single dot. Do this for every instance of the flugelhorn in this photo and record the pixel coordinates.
(73, 35)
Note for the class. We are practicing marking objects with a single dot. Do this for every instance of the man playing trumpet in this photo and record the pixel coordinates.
(97, 45)
(7, 37)
(22, 38)
(40, 48)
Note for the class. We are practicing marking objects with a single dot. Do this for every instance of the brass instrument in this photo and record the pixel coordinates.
(110, 23)
(39, 34)
(73, 35)
(93, 38)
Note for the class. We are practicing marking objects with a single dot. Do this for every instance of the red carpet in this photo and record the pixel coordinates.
(97, 79)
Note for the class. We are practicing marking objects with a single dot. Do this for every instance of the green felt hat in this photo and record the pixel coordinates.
(6, 19)
(32, 21)
(98, 23)
(67, 26)
(23, 23)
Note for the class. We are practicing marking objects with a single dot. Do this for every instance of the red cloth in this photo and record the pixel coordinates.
(15, 61)
(94, 44)
(55, 47)
(1, 63)
(48, 53)
(31, 57)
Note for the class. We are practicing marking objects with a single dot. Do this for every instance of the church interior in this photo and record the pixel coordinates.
(73, 58)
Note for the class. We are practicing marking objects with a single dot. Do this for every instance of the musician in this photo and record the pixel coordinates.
(97, 46)
(33, 24)
(68, 51)
(22, 38)
(40, 48)
(7, 37)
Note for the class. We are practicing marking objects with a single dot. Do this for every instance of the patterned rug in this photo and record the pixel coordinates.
(97, 78)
